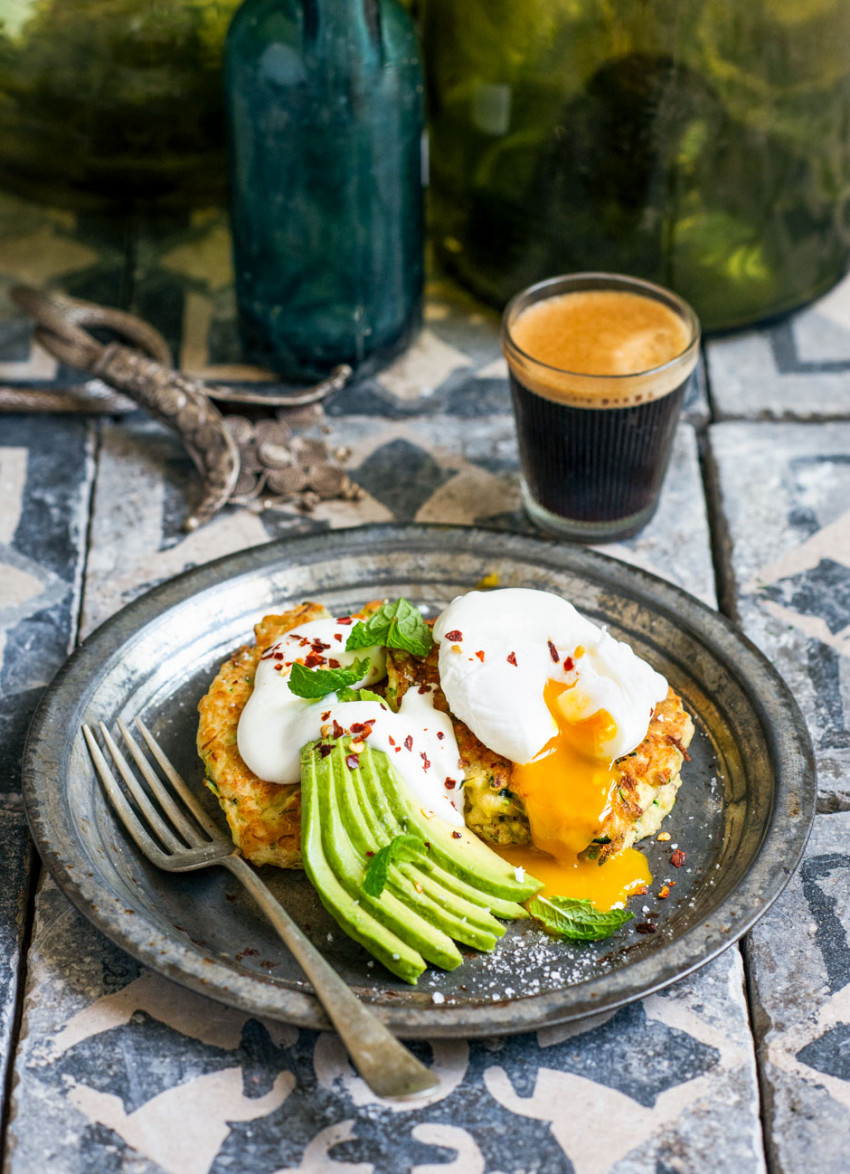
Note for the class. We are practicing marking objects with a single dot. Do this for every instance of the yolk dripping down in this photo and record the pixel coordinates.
(567, 791)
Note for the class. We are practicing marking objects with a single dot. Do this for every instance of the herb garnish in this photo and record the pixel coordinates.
(405, 845)
(393, 625)
(579, 920)
(313, 683)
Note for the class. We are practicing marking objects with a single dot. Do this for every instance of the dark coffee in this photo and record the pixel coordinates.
(598, 368)
(595, 466)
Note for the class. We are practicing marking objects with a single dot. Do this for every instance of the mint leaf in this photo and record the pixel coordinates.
(404, 845)
(346, 694)
(319, 682)
(579, 920)
(393, 625)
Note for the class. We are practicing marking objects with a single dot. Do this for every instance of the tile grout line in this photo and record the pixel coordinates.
(763, 1087)
(20, 987)
(726, 605)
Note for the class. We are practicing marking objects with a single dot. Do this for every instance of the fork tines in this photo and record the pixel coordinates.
(183, 834)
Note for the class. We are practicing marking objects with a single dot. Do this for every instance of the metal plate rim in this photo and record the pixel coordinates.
(778, 857)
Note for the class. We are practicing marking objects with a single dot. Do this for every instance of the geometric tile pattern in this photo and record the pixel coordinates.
(117, 1069)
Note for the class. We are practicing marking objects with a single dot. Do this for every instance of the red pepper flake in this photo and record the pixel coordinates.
(456, 835)
(450, 784)
(357, 727)
(568, 664)
(318, 646)
(426, 761)
(391, 740)
(642, 891)
(345, 620)
(553, 651)
(338, 636)
(440, 735)
(277, 667)
(664, 892)
(324, 749)
(678, 858)
(368, 853)
(334, 664)
(480, 655)
(369, 721)
(278, 656)
(313, 660)
(645, 927)
(408, 742)
(352, 761)
(511, 658)
(455, 636)
(326, 715)
(338, 730)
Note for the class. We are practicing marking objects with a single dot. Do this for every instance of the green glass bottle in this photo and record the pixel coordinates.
(702, 144)
(113, 102)
(325, 107)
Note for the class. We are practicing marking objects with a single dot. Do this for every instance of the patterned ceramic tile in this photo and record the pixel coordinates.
(798, 368)
(799, 958)
(45, 478)
(120, 1069)
(785, 496)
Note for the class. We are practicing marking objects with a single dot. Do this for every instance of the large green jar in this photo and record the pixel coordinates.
(113, 100)
(703, 144)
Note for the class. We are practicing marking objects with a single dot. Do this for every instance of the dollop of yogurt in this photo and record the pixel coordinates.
(275, 723)
(499, 648)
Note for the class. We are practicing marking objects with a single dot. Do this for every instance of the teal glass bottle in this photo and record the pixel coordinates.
(325, 114)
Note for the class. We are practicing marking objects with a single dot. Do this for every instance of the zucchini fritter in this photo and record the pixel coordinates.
(265, 818)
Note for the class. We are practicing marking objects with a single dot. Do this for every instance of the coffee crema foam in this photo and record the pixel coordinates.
(600, 348)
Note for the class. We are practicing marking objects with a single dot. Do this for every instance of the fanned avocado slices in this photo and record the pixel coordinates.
(451, 889)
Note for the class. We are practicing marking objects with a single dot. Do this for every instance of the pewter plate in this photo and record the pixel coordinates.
(742, 819)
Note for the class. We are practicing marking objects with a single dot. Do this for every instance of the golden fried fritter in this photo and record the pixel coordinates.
(265, 818)
(648, 778)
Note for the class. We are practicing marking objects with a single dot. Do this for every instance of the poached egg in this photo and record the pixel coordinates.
(559, 697)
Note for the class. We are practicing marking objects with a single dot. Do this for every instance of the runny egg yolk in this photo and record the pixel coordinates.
(567, 792)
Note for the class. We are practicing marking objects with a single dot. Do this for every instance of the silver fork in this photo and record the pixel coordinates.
(192, 840)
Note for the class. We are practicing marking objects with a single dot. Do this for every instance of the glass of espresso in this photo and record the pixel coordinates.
(598, 365)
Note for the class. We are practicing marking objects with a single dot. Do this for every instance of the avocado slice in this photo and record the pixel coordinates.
(401, 901)
(339, 820)
(457, 850)
(349, 914)
(383, 821)
(420, 881)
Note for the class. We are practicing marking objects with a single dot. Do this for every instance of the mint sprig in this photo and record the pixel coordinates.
(314, 683)
(394, 625)
(404, 846)
(579, 920)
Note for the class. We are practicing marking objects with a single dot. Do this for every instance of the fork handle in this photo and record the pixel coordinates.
(384, 1062)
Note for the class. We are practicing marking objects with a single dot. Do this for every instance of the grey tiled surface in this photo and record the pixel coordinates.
(117, 1069)
(799, 960)
(797, 368)
(784, 494)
